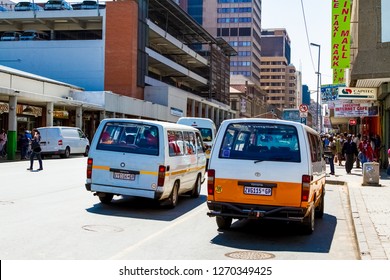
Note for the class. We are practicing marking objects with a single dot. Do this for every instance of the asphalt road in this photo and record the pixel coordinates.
(49, 215)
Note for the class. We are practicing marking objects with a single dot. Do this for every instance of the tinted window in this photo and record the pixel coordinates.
(261, 141)
(129, 138)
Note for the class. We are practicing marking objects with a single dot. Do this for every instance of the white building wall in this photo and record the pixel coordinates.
(78, 62)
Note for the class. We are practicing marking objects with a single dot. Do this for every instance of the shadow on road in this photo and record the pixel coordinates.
(278, 236)
(142, 208)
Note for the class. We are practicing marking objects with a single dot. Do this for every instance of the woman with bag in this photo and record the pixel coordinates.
(36, 149)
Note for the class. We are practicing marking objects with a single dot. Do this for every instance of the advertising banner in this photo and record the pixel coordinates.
(341, 18)
(355, 110)
(330, 92)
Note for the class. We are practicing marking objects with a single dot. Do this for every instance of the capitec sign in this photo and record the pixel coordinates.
(357, 93)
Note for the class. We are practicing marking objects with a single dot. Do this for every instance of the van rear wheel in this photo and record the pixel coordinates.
(66, 154)
(106, 198)
(309, 222)
(174, 196)
(196, 190)
(223, 222)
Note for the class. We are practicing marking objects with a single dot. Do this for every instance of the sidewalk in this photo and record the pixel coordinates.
(370, 207)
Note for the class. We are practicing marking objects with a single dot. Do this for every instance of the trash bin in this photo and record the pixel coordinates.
(370, 174)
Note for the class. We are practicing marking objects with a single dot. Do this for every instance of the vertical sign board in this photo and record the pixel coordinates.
(341, 19)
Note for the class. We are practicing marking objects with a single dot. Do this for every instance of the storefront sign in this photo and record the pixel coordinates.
(357, 93)
(176, 112)
(61, 114)
(355, 110)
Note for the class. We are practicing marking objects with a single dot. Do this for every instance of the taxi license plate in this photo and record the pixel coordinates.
(258, 191)
(124, 176)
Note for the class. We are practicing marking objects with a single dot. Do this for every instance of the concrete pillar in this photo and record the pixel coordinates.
(217, 122)
(102, 115)
(212, 115)
(207, 111)
(49, 113)
(12, 135)
(200, 105)
(79, 117)
(193, 109)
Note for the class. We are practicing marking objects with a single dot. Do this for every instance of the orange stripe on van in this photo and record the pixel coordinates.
(101, 167)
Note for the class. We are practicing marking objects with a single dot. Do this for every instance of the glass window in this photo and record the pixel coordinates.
(385, 21)
(261, 142)
(127, 137)
(175, 143)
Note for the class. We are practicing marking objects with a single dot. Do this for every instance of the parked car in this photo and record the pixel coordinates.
(88, 5)
(33, 35)
(63, 141)
(57, 5)
(10, 36)
(27, 6)
(3, 9)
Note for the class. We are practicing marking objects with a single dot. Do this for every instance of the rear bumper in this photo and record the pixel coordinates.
(239, 211)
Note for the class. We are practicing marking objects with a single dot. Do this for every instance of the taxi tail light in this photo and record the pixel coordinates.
(89, 168)
(161, 175)
(210, 181)
(306, 179)
(59, 142)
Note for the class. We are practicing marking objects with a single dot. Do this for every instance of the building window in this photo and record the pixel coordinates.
(385, 21)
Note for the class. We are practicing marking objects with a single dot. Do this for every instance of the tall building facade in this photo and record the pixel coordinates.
(238, 22)
(278, 75)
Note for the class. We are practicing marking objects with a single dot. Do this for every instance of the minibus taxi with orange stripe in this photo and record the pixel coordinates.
(266, 169)
(142, 158)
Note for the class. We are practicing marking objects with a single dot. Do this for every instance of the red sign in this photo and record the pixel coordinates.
(303, 108)
(352, 122)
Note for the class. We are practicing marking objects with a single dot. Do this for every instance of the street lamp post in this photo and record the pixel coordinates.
(318, 85)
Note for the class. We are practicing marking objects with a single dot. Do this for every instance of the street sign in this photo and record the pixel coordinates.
(303, 114)
(303, 120)
(303, 108)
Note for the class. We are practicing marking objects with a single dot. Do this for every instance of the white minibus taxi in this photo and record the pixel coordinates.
(206, 127)
(142, 158)
(266, 169)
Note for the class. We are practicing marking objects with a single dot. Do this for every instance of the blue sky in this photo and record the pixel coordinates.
(288, 14)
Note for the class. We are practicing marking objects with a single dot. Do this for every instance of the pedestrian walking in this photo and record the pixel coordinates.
(332, 149)
(3, 143)
(339, 146)
(366, 152)
(357, 141)
(36, 149)
(350, 151)
(25, 144)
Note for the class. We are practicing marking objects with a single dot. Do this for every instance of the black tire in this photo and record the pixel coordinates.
(319, 213)
(309, 222)
(197, 186)
(86, 151)
(66, 154)
(107, 198)
(223, 222)
(174, 196)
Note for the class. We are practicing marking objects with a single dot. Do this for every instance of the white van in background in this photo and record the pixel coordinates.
(206, 127)
(266, 169)
(63, 141)
(150, 159)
